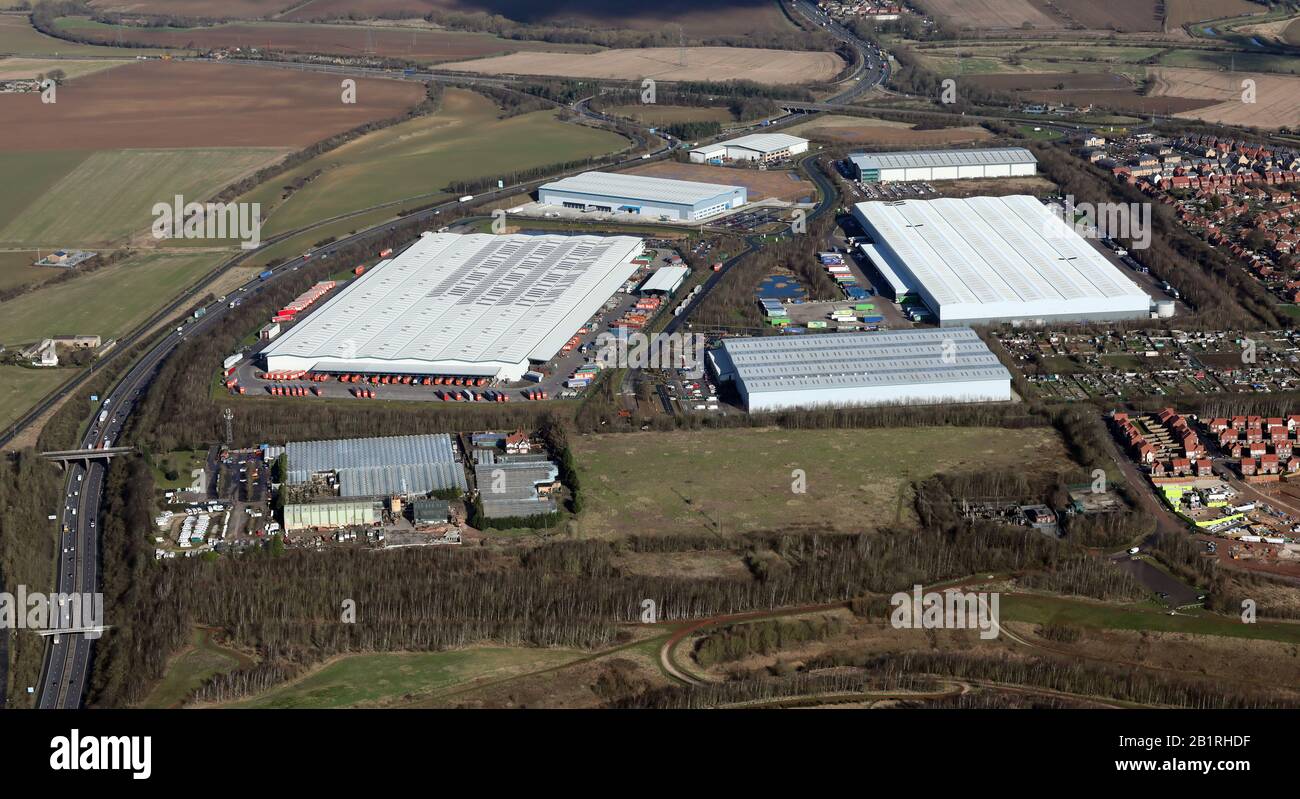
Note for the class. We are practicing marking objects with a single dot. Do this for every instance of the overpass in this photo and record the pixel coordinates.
(65, 456)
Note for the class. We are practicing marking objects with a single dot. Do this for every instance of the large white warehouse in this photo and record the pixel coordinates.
(988, 260)
(839, 369)
(998, 162)
(761, 147)
(683, 200)
(465, 305)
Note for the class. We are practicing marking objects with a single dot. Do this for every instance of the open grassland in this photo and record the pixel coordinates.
(1277, 97)
(22, 387)
(864, 130)
(16, 270)
(463, 139)
(660, 115)
(1181, 12)
(668, 64)
(692, 482)
(187, 104)
(1230, 61)
(18, 37)
(202, 659)
(1043, 609)
(108, 302)
(19, 68)
(989, 14)
(1291, 34)
(397, 678)
(110, 194)
(416, 44)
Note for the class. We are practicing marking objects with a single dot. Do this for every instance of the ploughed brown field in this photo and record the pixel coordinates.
(420, 45)
(770, 184)
(892, 135)
(1120, 101)
(991, 14)
(1180, 12)
(668, 63)
(1032, 81)
(154, 104)
(1128, 16)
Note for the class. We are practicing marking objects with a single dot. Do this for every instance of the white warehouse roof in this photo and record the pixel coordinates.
(933, 158)
(935, 365)
(665, 278)
(640, 187)
(462, 304)
(998, 259)
(759, 142)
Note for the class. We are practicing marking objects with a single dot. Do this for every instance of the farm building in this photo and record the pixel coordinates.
(943, 164)
(665, 280)
(476, 305)
(989, 260)
(608, 192)
(761, 147)
(374, 467)
(833, 369)
(328, 515)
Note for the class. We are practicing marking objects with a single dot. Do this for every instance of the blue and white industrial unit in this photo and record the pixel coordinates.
(911, 367)
(611, 192)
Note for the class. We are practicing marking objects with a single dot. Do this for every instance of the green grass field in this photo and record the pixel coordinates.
(1239, 62)
(685, 482)
(110, 194)
(108, 302)
(189, 669)
(1042, 609)
(18, 37)
(31, 67)
(30, 175)
(183, 461)
(659, 115)
(16, 270)
(393, 678)
(21, 388)
(465, 139)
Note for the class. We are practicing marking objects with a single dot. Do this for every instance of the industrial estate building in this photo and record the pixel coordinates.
(761, 147)
(378, 467)
(476, 305)
(334, 514)
(988, 260)
(843, 369)
(665, 280)
(943, 164)
(608, 192)
(517, 486)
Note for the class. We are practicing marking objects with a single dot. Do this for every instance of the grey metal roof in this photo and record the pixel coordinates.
(640, 187)
(860, 360)
(665, 278)
(379, 466)
(924, 158)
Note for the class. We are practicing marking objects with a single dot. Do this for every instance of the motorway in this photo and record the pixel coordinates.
(68, 657)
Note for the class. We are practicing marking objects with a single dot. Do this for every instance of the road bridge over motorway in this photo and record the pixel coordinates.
(65, 456)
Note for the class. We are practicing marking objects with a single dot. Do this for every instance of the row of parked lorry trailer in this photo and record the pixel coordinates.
(454, 395)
